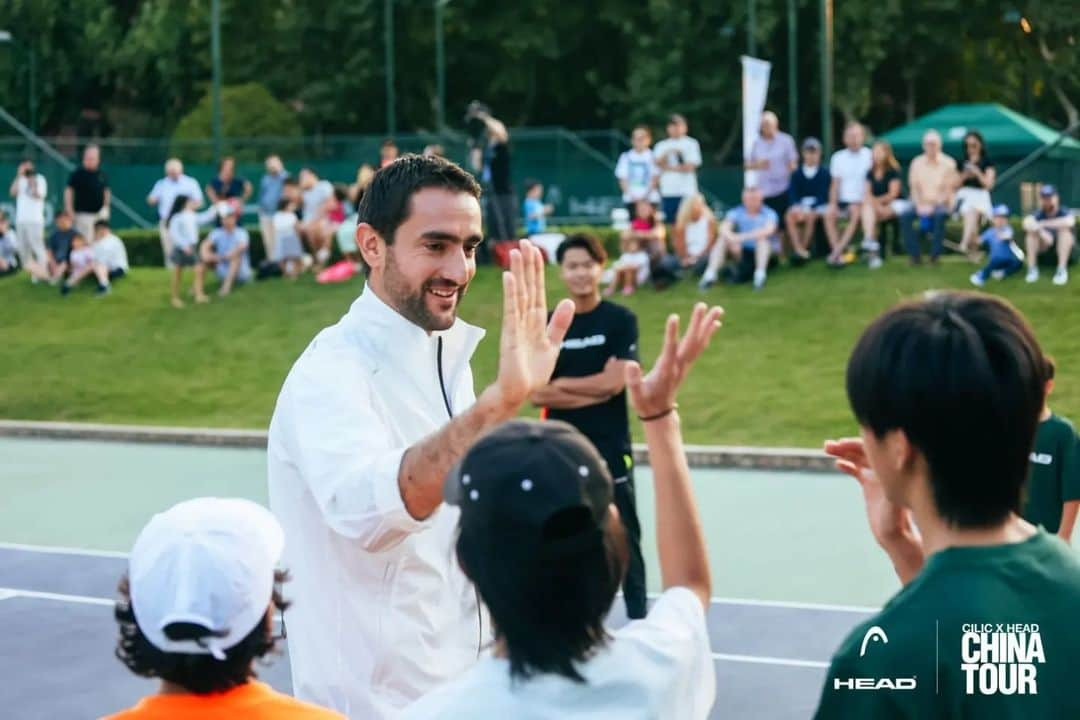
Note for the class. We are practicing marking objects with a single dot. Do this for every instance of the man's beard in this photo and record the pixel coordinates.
(412, 303)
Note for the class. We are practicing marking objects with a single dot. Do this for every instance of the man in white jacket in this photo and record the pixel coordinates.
(370, 420)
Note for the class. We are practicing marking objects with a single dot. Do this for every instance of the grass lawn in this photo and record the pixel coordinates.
(773, 377)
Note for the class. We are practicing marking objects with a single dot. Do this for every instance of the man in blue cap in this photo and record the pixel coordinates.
(1050, 227)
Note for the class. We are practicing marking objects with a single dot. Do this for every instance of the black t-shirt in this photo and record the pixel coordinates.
(500, 169)
(973, 182)
(880, 187)
(608, 331)
(88, 189)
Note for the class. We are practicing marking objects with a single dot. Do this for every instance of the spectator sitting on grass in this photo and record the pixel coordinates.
(58, 248)
(346, 241)
(290, 251)
(975, 179)
(747, 228)
(808, 196)
(81, 264)
(632, 267)
(271, 185)
(315, 226)
(109, 251)
(931, 180)
(695, 233)
(9, 259)
(882, 195)
(225, 251)
(196, 610)
(847, 168)
(1005, 257)
(538, 525)
(534, 209)
(1053, 488)
(183, 228)
(1050, 227)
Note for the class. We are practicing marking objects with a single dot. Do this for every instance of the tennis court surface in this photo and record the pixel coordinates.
(794, 569)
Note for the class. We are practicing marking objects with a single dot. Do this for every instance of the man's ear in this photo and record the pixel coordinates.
(371, 246)
(903, 455)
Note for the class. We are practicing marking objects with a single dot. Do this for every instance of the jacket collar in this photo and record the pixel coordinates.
(395, 340)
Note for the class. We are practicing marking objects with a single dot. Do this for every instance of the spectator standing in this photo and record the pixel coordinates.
(164, 194)
(183, 226)
(588, 390)
(289, 250)
(637, 171)
(1050, 227)
(1053, 488)
(808, 199)
(537, 525)
(87, 196)
(58, 248)
(225, 251)
(30, 189)
(493, 161)
(316, 225)
(975, 179)
(109, 251)
(695, 233)
(883, 186)
(534, 209)
(227, 186)
(749, 228)
(678, 158)
(1005, 257)
(196, 611)
(774, 157)
(932, 183)
(388, 152)
(847, 167)
(9, 259)
(271, 185)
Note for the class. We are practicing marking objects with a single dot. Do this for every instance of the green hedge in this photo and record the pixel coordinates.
(144, 246)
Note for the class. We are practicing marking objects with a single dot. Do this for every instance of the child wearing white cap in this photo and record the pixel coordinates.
(196, 610)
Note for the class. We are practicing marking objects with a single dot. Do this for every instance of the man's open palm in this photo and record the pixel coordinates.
(529, 345)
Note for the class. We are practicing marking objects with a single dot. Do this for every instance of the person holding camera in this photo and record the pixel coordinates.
(29, 190)
(490, 156)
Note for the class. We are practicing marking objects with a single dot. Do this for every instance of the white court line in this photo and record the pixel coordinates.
(747, 602)
(762, 660)
(8, 593)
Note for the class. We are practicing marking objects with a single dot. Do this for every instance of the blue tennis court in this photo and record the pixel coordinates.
(794, 568)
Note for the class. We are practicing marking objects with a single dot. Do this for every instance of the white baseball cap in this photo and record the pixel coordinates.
(210, 562)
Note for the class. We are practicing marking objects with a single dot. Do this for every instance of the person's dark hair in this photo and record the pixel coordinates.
(341, 192)
(101, 223)
(982, 145)
(388, 143)
(179, 203)
(530, 184)
(646, 128)
(283, 203)
(962, 375)
(585, 241)
(386, 202)
(227, 158)
(526, 590)
(1050, 367)
(291, 181)
(199, 674)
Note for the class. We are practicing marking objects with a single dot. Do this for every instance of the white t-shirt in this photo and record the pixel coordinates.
(110, 252)
(652, 669)
(315, 198)
(697, 236)
(849, 168)
(638, 169)
(30, 209)
(675, 183)
(166, 190)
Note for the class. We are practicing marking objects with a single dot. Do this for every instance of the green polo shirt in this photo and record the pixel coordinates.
(1055, 473)
(982, 632)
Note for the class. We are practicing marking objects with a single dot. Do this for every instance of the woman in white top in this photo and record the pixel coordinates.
(183, 228)
(695, 232)
(975, 179)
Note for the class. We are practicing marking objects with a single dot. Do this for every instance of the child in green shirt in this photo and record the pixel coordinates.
(1053, 491)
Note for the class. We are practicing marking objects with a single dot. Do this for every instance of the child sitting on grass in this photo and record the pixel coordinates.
(632, 267)
(109, 251)
(289, 252)
(1053, 489)
(1006, 257)
(81, 263)
(9, 261)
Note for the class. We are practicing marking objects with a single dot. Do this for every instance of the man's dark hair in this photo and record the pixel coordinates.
(199, 674)
(549, 606)
(962, 375)
(587, 242)
(389, 142)
(101, 223)
(1051, 367)
(530, 184)
(386, 203)
(225, 159)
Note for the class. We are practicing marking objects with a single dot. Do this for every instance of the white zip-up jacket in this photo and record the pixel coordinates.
(381, 613)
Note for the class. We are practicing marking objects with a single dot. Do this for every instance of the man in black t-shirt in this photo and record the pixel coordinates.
(87, 196)
(587, 388)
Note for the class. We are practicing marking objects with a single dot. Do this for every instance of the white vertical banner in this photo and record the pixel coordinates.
(755, 88)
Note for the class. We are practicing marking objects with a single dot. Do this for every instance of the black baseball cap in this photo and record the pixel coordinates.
(513, 484)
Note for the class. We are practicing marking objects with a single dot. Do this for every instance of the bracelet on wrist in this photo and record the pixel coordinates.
(659, 415)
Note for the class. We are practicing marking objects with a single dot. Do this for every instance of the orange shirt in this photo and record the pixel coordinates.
(254, 700)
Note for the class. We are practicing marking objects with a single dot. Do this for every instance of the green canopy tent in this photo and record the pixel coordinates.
(1010, 137)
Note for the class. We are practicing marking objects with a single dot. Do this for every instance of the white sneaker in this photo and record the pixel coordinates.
(977, 280)
(1032, 275)
(706, 282)
(998, 274)
(759, 279)
(1061, 276)
(875, 262)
